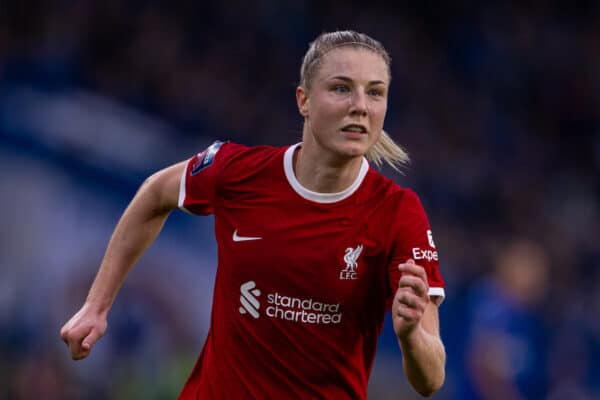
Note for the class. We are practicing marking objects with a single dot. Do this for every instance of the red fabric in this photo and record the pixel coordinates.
(315, 333)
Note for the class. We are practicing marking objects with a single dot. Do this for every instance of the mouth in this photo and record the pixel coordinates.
(355, 129)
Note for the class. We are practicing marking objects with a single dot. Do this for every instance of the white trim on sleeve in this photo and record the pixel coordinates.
(182, 188)
(439, 294)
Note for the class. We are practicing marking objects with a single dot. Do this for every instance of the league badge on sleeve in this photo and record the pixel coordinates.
(430, 238)
(205, 158)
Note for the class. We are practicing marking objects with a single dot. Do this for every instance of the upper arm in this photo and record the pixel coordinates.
(412, 238)
(164, 185)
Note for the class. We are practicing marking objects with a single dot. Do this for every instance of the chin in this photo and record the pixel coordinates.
(354, 149)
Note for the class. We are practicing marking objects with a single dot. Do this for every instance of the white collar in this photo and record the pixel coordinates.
(317, 197)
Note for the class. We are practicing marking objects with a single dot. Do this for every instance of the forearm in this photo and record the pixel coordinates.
(139, 226)
(424, 360)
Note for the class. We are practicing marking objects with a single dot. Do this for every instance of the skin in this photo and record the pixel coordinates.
(416, 324)
(350, 87)
(139, 226)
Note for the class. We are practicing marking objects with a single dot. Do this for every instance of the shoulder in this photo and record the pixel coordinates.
(385, 200)
(227, 153)
(251, 154)
(389, 191)
(228, 162)
(242, 160)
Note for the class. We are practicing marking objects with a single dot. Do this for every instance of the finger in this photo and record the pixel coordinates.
(407, 298)
(407, 313)
(74, 338)
(75, 349)
(81, 355)
(90, 340)
(80, 352)
(64, 334)
(409, 267)
(417, 284)
(410, 299)
(80, 349)
(67, 333)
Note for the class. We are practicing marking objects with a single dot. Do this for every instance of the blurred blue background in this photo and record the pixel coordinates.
(498, 104)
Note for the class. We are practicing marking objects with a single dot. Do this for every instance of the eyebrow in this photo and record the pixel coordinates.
(346, 79)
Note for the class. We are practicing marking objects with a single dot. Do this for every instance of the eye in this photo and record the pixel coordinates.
(375, 92)
(341, 89)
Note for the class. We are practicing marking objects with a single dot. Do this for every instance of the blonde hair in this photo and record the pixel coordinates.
(385, 149)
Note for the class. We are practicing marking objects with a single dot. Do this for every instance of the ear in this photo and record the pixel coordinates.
(302, 101)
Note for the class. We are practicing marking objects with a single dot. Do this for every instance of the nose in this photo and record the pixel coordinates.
(358, 103)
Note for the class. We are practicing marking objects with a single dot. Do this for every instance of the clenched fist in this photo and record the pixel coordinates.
(82, 331)
(411, 299)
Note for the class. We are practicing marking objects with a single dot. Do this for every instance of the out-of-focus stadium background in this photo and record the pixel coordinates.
(498, 104)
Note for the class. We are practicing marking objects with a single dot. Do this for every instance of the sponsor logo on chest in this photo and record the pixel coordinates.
(293, 309)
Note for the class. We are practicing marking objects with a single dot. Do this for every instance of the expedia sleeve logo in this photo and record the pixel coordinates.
(427, 254)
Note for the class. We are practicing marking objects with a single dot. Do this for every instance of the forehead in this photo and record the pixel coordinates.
(356, 63)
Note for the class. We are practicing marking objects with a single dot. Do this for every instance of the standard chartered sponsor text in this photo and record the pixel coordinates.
(302, 310)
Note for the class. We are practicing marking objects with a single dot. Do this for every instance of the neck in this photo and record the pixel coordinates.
(320, 173)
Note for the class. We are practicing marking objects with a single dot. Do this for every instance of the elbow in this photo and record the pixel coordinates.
(427, 392)
(432, 387)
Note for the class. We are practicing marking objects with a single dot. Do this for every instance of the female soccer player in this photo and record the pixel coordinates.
(314, 246)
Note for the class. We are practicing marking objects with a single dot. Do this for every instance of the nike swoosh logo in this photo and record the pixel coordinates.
(237, 238)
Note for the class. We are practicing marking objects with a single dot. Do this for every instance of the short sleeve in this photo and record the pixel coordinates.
(198, 185)
(413, 239)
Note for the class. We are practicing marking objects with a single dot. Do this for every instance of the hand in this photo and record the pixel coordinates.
(410, 300)
(82, 331)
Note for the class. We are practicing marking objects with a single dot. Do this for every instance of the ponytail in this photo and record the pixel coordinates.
(385, 149)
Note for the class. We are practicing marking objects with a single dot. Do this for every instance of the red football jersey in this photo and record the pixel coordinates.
(304, 279)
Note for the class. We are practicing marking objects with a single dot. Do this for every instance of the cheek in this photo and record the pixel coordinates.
(326, 112)
(379, 114)
(384, 109)
(335, 105)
